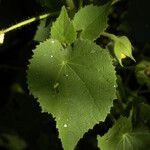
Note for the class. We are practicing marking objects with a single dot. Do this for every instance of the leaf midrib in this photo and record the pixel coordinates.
(84, 83)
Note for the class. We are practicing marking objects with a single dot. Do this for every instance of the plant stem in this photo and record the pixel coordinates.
(114, 2)
(70, 4)
(80, 3)
(109, 35)
(23, 23)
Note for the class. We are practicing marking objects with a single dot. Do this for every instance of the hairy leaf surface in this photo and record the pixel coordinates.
(91, 21)
(75, 84)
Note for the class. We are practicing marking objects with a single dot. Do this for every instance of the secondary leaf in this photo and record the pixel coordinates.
(63, 29)
(122, 137)
(43, 30)
(91, 21)
(75, 84)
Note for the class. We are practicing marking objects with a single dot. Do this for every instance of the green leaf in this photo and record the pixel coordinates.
(142, 72)
(43, 30)
(91, 21)
(75, 84)
(12, 142)
(122, 137)
(144, 114)
(63, 29)
(122, 48)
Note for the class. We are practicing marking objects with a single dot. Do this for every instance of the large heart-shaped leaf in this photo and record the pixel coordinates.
(75, 84)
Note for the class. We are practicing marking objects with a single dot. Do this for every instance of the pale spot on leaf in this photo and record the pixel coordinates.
(65, 125)
(53, 41)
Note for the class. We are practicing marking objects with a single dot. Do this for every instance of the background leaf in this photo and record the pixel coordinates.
(143, 72)
(12, 142)
(91, 20)
(144, 114)
(122, 137)
(75, 84)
